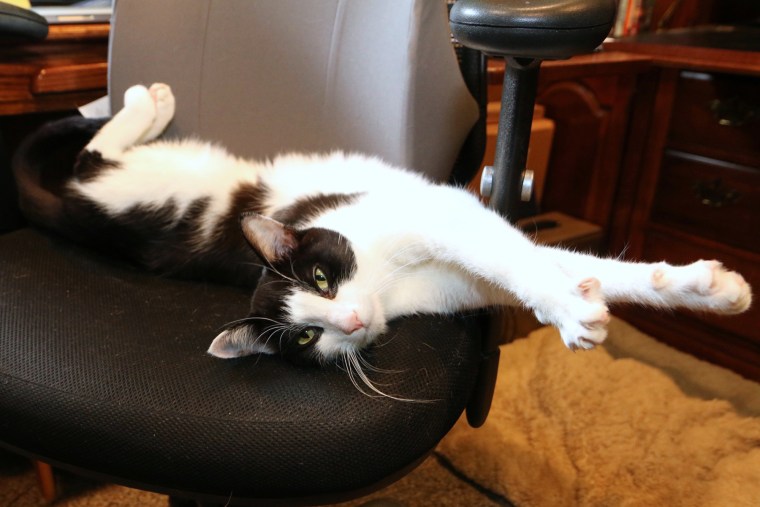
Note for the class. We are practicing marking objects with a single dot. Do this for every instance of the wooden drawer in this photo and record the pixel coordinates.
(709, 198)
(660, 244)
(717, 115)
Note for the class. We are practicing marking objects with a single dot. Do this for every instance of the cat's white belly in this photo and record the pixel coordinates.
(180, 173)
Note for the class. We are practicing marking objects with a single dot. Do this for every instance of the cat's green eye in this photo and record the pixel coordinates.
(307, 336)
(320, 278)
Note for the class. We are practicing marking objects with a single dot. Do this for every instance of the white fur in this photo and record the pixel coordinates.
(420, 247)
(181, 171)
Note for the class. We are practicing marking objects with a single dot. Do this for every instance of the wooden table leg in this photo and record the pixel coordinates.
(46, 480)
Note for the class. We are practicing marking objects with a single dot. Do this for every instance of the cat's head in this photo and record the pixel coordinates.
(312, 304)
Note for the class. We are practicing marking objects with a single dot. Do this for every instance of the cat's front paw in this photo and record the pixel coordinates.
(582, 318)
(705, 285)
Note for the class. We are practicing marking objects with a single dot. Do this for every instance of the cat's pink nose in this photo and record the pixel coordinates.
(352, 323)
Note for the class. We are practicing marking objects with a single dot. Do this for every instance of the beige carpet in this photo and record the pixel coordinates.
(634, 423)
(603, 429)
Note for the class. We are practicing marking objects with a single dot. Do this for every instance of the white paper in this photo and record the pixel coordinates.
(99, 108)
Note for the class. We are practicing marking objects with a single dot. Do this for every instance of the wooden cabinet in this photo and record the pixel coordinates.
(694, 193)
(590, 106)
(589, 99)
(659, 143)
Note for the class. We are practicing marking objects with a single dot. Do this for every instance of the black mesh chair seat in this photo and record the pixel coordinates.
(135, 397)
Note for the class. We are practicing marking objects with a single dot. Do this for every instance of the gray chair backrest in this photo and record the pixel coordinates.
(264, 77)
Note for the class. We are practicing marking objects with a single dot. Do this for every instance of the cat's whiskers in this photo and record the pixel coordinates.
(283, 331)
(623, 254)
(251, 263)
(383, 280)
(391, 259)
(269, 333)
(418, 259)
(384, 342)
(371, 367)
(277, 272)
(250, 318)
(270, 282)
(354, 367)
(297, 278)
(397, 274)
(390, 281)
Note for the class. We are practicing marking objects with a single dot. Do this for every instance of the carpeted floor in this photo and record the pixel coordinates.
(633, 423)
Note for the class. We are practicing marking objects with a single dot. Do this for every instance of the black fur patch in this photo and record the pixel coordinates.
(48, 156)
(90, 164)
(305, 209)
(156, 238)
(228, 247)
(44, 163)
(316, 247)
(247, 198)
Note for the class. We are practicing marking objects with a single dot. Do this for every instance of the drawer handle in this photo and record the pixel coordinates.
(733, 112)
(714, 193)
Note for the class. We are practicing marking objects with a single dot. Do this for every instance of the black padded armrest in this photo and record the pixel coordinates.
(542, 29)
(18, 22)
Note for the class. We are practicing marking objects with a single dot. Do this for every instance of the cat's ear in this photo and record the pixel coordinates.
(272, 240)
(237, 341)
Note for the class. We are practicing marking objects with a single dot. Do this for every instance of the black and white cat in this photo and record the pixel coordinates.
(348, 242)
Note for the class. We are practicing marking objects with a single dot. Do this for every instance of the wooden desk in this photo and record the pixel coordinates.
(51, 78)
(61, 73)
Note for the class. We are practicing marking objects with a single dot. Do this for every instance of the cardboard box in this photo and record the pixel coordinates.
(558, 229)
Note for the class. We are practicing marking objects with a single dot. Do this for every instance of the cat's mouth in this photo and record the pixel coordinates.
(337, 342)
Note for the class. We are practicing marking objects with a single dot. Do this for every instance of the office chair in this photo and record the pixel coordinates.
(103, 368)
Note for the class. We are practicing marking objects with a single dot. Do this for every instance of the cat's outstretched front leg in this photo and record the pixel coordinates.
(485, 245)
(702, 285)
(145, 115)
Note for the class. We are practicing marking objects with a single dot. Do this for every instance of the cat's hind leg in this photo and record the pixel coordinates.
(163, 98)
(144, 116)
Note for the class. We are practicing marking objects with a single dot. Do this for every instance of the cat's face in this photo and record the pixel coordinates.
(312, 304)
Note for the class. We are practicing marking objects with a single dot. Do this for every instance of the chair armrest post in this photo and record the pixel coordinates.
(517, 102)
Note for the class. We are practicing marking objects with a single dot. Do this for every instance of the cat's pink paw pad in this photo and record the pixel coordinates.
(160, 93)
(659, 279)
(728, 291)
(163, 98)
(586, 327)
(602, 320)
(590, 289)
(706, 276)
(707, 285)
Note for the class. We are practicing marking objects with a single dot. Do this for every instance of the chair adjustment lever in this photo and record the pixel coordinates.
(526, 189)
